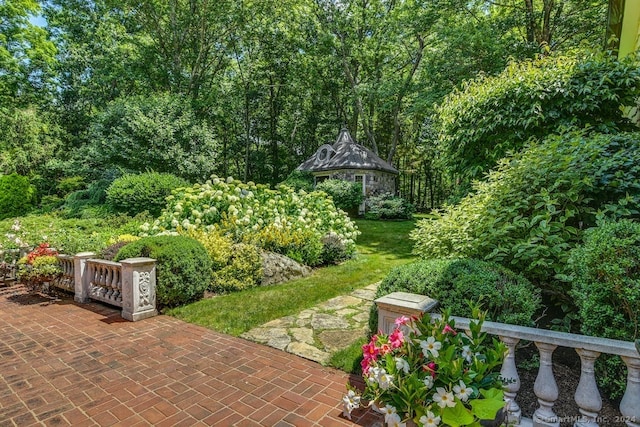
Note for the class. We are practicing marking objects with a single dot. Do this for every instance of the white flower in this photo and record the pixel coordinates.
(467, 353)
(351, 401)
(431, 346)
(388, 412)
(429, 420)
(402, 365)
(462, 391)
(385, 380)
(395, 421)
(444, 398)
(428, 381)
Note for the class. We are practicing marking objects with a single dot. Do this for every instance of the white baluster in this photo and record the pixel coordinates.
(509, 372)
(587, 395)
(545, 388)
(115, 278)
(108, 276)
(630, 403)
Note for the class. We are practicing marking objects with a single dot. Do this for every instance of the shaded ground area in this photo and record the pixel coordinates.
(68, 364)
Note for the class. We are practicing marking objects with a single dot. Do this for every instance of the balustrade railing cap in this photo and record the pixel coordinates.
(407, 300)
(85, 254)
(138, 260)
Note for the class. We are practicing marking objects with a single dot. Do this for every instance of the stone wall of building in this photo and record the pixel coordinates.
(376, 182)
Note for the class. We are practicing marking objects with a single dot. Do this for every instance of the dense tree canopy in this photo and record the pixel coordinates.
(268, 80)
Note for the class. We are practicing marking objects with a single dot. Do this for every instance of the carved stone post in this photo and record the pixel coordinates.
(587, 395)
(81, 284)
(545, 388)
(397, 304)
(510, 373)
(630, 404)
(138, 288)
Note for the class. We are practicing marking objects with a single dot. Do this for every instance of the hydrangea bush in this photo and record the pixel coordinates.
(281, 220)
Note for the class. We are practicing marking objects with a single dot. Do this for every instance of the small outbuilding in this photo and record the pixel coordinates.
(350, 161)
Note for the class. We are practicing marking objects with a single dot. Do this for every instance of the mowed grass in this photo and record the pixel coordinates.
(381, 246)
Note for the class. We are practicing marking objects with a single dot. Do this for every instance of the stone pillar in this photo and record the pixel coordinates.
(587, 395)
(138, 288)
(397, 304)
(545, 388)
(630, 403)
(509, 372)
(79, 277)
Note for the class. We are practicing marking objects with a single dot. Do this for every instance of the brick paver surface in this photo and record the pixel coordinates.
(62, 363)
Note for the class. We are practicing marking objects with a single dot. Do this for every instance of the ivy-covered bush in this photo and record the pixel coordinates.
(388, 206)
(507, 297)
(346, 195)
(480, 123)
(605, 277)
(533, 208)
(282, 220)
(147, 191)
(17, 196)
(183, 267)
(235, 266)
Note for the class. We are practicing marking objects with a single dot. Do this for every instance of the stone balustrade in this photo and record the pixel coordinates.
(129, 284)
(588, 348)
(9, 263)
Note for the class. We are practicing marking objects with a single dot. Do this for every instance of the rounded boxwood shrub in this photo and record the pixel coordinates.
(147, 191)
(388, 206)
(346, 195)
(17, 195)
(183, 267)
(606, 287)
(506, 296)
(243, 270)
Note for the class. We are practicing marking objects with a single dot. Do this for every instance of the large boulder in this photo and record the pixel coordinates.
(278, 268)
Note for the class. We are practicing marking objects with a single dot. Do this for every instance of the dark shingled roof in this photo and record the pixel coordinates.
(345, 154)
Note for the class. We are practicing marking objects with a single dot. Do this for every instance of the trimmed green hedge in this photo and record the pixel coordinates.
(17, 195)
(147, 191)
(183, 267)
(605, 276)
(506, 296)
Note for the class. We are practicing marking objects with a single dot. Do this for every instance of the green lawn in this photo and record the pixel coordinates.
(381, 246)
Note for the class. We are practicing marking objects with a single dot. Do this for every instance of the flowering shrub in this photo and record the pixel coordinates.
(282, 220)
(427, 372)
(39, 267)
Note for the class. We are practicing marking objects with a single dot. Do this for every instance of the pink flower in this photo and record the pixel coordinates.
(396, 338)
(385, 349)
(449, 329)
(370, 351)
(402, 320)
(366, 366)
(431, 367)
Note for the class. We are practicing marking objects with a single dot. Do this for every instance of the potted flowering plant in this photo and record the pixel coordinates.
(428, 374)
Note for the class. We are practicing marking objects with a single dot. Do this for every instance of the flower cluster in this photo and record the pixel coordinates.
(39, 267)
(427, 372)
(43, 249)
(280, 220)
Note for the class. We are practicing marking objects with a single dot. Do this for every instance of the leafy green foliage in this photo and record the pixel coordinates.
(606, 286)
(235, 266)
(281, 220)
(534, 207)
(299, 180)
(17, 195)
(183, 267)
(159, 132)
(388, 206)
(507, 297)
(243, 269)
(147, 191)
(77, 203)
(346, 195)
(491, 116)
(68, 236)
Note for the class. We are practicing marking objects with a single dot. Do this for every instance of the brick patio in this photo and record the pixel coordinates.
(83, 365)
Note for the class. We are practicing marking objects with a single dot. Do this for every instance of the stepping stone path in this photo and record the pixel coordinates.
(322, 330)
